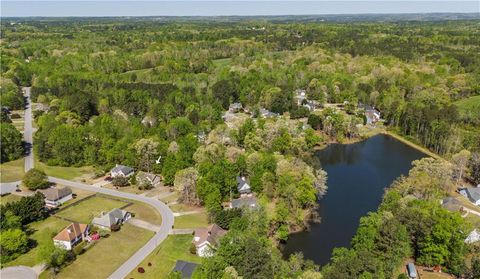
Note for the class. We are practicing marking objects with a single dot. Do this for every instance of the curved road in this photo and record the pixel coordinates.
(165, 228)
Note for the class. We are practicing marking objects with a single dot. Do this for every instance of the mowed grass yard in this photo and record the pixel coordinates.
(191, 221)
(86, 210)
(101, 260)
(145, 212)
(12, 171)
(175, 247)
(43, 232)
(9, 198)
(68, 173)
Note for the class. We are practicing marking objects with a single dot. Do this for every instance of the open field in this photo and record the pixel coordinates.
(106, 255)
(12, 171)
(84, 211)
(175, 247)
(69, 173)
(9, 198)
(43, 231)
(191, 221)
(468, 105)
(145, 212)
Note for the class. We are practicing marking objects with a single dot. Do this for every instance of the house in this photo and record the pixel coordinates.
(267, 114)
(235, 107)
(206, 239)
(451, 204)
(186, 269)
(55, 196)
(473, 237)
(71, 235)
(473, 194)
(144, 178)
(114, 217)
(121, 170)
(244, 202)
(243, 187)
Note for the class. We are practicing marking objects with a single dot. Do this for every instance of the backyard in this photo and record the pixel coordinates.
(191, 221)
(86, 210)
(162, 259)
(9, 198)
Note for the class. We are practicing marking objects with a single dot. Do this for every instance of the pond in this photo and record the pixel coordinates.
(357, 176)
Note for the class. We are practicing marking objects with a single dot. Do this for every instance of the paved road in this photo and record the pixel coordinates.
(8, 187)
(162, 233)
(28, 130)
(18, 272)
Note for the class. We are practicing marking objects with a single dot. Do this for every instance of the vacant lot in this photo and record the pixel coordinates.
(191, 221)
(84, 211)
(12, 171)
(64, 172)
(106, 255)
(145, 212)
(175, 247)
(43, 232)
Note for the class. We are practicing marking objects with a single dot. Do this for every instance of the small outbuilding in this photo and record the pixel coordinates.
(412, 271)
(185, 268)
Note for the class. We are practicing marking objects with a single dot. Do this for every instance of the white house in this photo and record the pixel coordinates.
(243, 187)
(55, 196)
(121, 170)
(206, 239)
(473, 237)
(71, 235)
(114, 217)
(473, 194)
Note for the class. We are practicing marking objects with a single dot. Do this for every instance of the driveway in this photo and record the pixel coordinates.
(8, 187)
(28, 131)
(18, 272)
(162, 233)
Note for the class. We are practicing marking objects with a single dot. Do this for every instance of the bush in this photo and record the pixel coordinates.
(402, 276)
(115, 228)
(35, 179)
(141, 270)
(193, 249)
(120, 181)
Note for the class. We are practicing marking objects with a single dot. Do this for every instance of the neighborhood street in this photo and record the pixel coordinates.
(162, 233)
(28, 130)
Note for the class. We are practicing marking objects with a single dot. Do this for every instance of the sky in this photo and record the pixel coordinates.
(60, 8)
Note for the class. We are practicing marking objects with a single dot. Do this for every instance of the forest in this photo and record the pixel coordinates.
(132, 90)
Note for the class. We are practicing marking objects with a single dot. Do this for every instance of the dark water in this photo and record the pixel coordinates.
(357, 176)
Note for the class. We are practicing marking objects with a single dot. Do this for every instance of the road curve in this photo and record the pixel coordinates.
(18, 272)
(28, 130)
(165, 228)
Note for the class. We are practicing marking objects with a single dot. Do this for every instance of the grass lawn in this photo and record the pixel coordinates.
(64, 172)
(9, 198)
(468, 105)
(12, 171)
(175, 247)
(43, 233)
(222, 62)
(170, 199)
(101, 260)
(126, 189)
(87, 209)
(191, 221)
(180, 207)
(145, 212)
(474, 220)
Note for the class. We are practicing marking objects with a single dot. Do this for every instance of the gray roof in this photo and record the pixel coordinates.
(185, 268)
(124, 169)
(108, 219)
(244, 202)
(473, 194)
(241, 182)
(451, 204)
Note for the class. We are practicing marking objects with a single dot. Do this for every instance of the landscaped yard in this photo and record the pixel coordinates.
(191, 221)
(12, 171)
(175, 247)
(84, 211)
(101, 260)
(44, 231)
(65, 172)
(145, 212)
(9, 198)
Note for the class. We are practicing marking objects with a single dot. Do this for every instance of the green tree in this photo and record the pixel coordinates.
(12, 146)
(35, 179)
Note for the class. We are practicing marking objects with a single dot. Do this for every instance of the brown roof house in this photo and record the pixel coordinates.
(206, 239)
(55, 196)
(71, 235)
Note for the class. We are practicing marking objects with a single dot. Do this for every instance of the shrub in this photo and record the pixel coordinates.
(141, 270)
(193, 249)
(35, 179)
(402, 276)
(115, 228)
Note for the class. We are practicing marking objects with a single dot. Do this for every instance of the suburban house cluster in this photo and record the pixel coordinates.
(141, 178)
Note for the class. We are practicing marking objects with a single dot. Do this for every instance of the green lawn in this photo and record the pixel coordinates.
(12, 171)
(175, 247)
(469, 105)
(180, 207)
(191, 221)
(145, 212)
(101, 260)
(84, 211)
(64, 172)
(9, 198)
(222, 62)
(44, 231)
